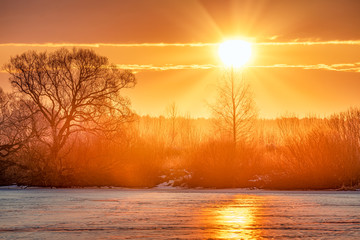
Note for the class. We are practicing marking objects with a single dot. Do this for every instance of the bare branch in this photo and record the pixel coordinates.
(70, 91)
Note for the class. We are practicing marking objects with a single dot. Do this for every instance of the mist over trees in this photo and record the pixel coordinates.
(15, 130)
(66, 92)
(66, 123)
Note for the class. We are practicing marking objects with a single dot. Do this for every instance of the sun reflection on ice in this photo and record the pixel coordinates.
(238, 216)
(235, 220)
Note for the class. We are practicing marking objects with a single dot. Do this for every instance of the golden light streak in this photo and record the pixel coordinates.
(98, 45)
(199, 44)
(165, 67)
(335, 42)
(339, 67)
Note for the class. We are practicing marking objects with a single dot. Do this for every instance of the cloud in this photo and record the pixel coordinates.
(199, 44)
(340, 67)
(97, 45)
(295, 42)
(165, 67)
(92, 45)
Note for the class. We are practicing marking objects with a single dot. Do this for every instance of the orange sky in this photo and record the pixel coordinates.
(306, 53)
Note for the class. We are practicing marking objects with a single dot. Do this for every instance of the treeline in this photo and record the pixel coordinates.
(286, 153)
(66, 124)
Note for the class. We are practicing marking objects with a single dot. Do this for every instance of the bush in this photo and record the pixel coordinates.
(218, 164)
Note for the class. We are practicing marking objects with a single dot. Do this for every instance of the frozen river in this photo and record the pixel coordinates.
(184, 214)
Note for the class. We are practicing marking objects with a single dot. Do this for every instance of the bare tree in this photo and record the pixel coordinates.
(234, 109)
(70, 91)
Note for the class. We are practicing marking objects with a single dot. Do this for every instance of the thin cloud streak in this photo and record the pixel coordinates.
(98, 45)
(335, 42)
(166, 67)
(340, 67)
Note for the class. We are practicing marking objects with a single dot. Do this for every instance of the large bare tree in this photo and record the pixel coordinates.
(234, 109)
(70, 91)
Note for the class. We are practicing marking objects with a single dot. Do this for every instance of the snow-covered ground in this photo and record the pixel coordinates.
(162, 213)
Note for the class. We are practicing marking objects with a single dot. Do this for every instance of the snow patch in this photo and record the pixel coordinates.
(13, 186)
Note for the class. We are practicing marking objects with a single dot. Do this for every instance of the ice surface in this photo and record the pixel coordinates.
(177, 213)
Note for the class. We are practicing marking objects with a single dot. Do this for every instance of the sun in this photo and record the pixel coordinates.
(235, 53)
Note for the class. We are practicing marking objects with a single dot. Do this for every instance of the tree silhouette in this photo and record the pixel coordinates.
(234, 109)
(70, 91)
